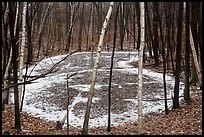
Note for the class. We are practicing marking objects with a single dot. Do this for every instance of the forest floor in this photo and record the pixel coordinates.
(184, 121)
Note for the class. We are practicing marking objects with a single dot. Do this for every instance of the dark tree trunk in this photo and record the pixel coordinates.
(134, 20)
(29, 19)
(121, 25)
(178, 57)
(111, 69)
(155, 36)
(80, 28)
(200, 34)
(163, 56)
(169, 46)
(187, 57)
(8, 85)
(15, 64)
(149, 29)
(138, 26)
(193, 24)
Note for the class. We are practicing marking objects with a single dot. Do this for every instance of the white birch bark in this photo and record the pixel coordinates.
(140, 65)
(195, 58)
(96, 64)
(23, 43)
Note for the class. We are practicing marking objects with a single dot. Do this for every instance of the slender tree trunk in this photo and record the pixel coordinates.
(149, 29)
(178, 57)
(29, 22)
(168, 37)
(73, 14)
(155, 37)
(201, 35)
(134, 24)
(187, 58)
(23, 44)
(10, 57)
(90, 29)
(121, 25)
(5, 47)
(42, 24)
(193, 29)
(8, 85)
(80, 28)
(15, 66)
(195, 59)
(138, 25)
(111, 69)
(163, 56)
(67, 105)
(96, 64)
(140, 65)
(172, 44)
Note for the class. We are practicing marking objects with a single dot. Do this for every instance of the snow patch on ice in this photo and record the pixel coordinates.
(123, 66)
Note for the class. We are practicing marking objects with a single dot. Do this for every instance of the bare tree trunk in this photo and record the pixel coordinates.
(23, 44)
(49, 46)
(195, 59)
(5, 47)
(168, 39)
(201, 36)
(122, 25)
(89, 31)
(140, 65)
(42, 23)
(29, 21)
(164, 59)
(178, 58)
(81, 22)
(73, 14)
(138, 24)
(155, 43)
(171, 39)
(10, 54)
(149, 30)
(11, 50)
(187, 58)
(15, 65)
(111, 69)
(134, 23)
(96, 64)
(10, 58)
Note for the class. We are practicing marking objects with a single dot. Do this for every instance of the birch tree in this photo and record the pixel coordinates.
(23, 44)
(140, 63)
(96, 64)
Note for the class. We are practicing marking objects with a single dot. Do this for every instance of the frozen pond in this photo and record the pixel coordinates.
(47, 97)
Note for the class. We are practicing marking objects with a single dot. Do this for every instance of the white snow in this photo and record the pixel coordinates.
(51, 112)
